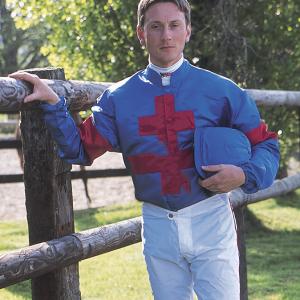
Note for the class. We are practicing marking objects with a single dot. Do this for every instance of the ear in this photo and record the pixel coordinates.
(141, 35)
(189, 32)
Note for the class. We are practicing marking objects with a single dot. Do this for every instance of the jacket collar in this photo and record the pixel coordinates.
(176, 77)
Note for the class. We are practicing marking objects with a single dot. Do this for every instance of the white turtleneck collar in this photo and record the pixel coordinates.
(166, 78)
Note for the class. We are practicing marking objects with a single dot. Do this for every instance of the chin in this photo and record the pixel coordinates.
(167, 62)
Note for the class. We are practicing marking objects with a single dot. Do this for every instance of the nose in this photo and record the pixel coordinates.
(166, 34)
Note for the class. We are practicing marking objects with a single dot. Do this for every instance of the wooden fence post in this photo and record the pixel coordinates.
(239, 217)
(49, 202)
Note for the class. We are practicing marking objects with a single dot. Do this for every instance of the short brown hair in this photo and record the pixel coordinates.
(144, 5)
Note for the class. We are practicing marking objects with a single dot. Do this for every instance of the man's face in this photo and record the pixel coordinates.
(164, 34)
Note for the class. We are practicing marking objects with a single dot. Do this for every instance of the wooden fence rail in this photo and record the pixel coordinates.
(33, 261)
(12, 143)
(82, 95)
(14, 178)
(41, 258)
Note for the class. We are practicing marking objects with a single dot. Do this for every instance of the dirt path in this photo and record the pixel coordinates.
(102, 191)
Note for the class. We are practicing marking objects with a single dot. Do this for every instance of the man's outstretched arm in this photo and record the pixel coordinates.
(77, 145)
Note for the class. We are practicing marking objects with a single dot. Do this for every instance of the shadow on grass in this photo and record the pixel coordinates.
(254, 224)
(291, 199)
(273, 259)
(22, 289)
(86, 219)
(95, 217)
(273, 263)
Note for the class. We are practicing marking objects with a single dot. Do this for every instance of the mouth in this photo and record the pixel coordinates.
(167, 47)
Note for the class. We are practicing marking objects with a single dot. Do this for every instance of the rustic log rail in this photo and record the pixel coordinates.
(10, 143)
(33, 261)
(14, 178)
(65, 249)
(81, 95)
(41, 258)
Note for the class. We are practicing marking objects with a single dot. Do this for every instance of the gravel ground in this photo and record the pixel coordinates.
(102, 191)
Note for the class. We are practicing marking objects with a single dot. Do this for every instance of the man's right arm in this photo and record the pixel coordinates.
(77, 145)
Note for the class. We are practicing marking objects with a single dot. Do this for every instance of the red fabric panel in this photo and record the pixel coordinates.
(260, 134)
(94, 144)
(166, 122)
(169, 166)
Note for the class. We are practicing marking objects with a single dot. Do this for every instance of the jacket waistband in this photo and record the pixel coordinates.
(192, 210)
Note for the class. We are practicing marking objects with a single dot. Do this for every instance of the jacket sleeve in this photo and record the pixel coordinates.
(82, 144)
(262, 168)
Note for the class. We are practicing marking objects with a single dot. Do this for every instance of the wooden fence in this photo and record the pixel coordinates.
(52, 259)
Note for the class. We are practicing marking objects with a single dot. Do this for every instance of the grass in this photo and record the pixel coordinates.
(273, 242)
(5, 129)
(273, 256)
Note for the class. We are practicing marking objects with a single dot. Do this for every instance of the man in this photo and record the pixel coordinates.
(189, 235)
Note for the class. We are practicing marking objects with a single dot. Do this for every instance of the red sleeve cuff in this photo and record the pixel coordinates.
(93, 142)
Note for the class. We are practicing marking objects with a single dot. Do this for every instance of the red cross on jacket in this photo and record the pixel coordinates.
(165, 124)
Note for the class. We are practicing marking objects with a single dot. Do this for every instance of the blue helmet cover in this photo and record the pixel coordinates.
(219, 145)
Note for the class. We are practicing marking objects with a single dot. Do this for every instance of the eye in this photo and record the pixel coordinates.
(155, 26)
(174, 25)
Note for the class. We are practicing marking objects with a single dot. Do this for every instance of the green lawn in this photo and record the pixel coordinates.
(273, 242)
(273, 249)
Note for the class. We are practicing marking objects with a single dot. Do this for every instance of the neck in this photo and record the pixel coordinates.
(170, 69)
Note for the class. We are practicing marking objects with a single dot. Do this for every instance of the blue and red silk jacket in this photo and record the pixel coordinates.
(153, 127)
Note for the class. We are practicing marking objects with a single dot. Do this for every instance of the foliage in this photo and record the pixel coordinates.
(233, 38)
(255, 45)
(258, 47)
(19, 49)
(272, 242)
(94, 40)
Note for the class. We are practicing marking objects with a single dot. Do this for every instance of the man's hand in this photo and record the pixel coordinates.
(227, 178)
(41, 91)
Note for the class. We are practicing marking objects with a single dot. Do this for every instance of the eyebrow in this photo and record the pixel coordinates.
(159, 22)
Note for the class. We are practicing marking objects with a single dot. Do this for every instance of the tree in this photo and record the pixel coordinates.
(19, 49)
(257, 46)
(93, 40)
